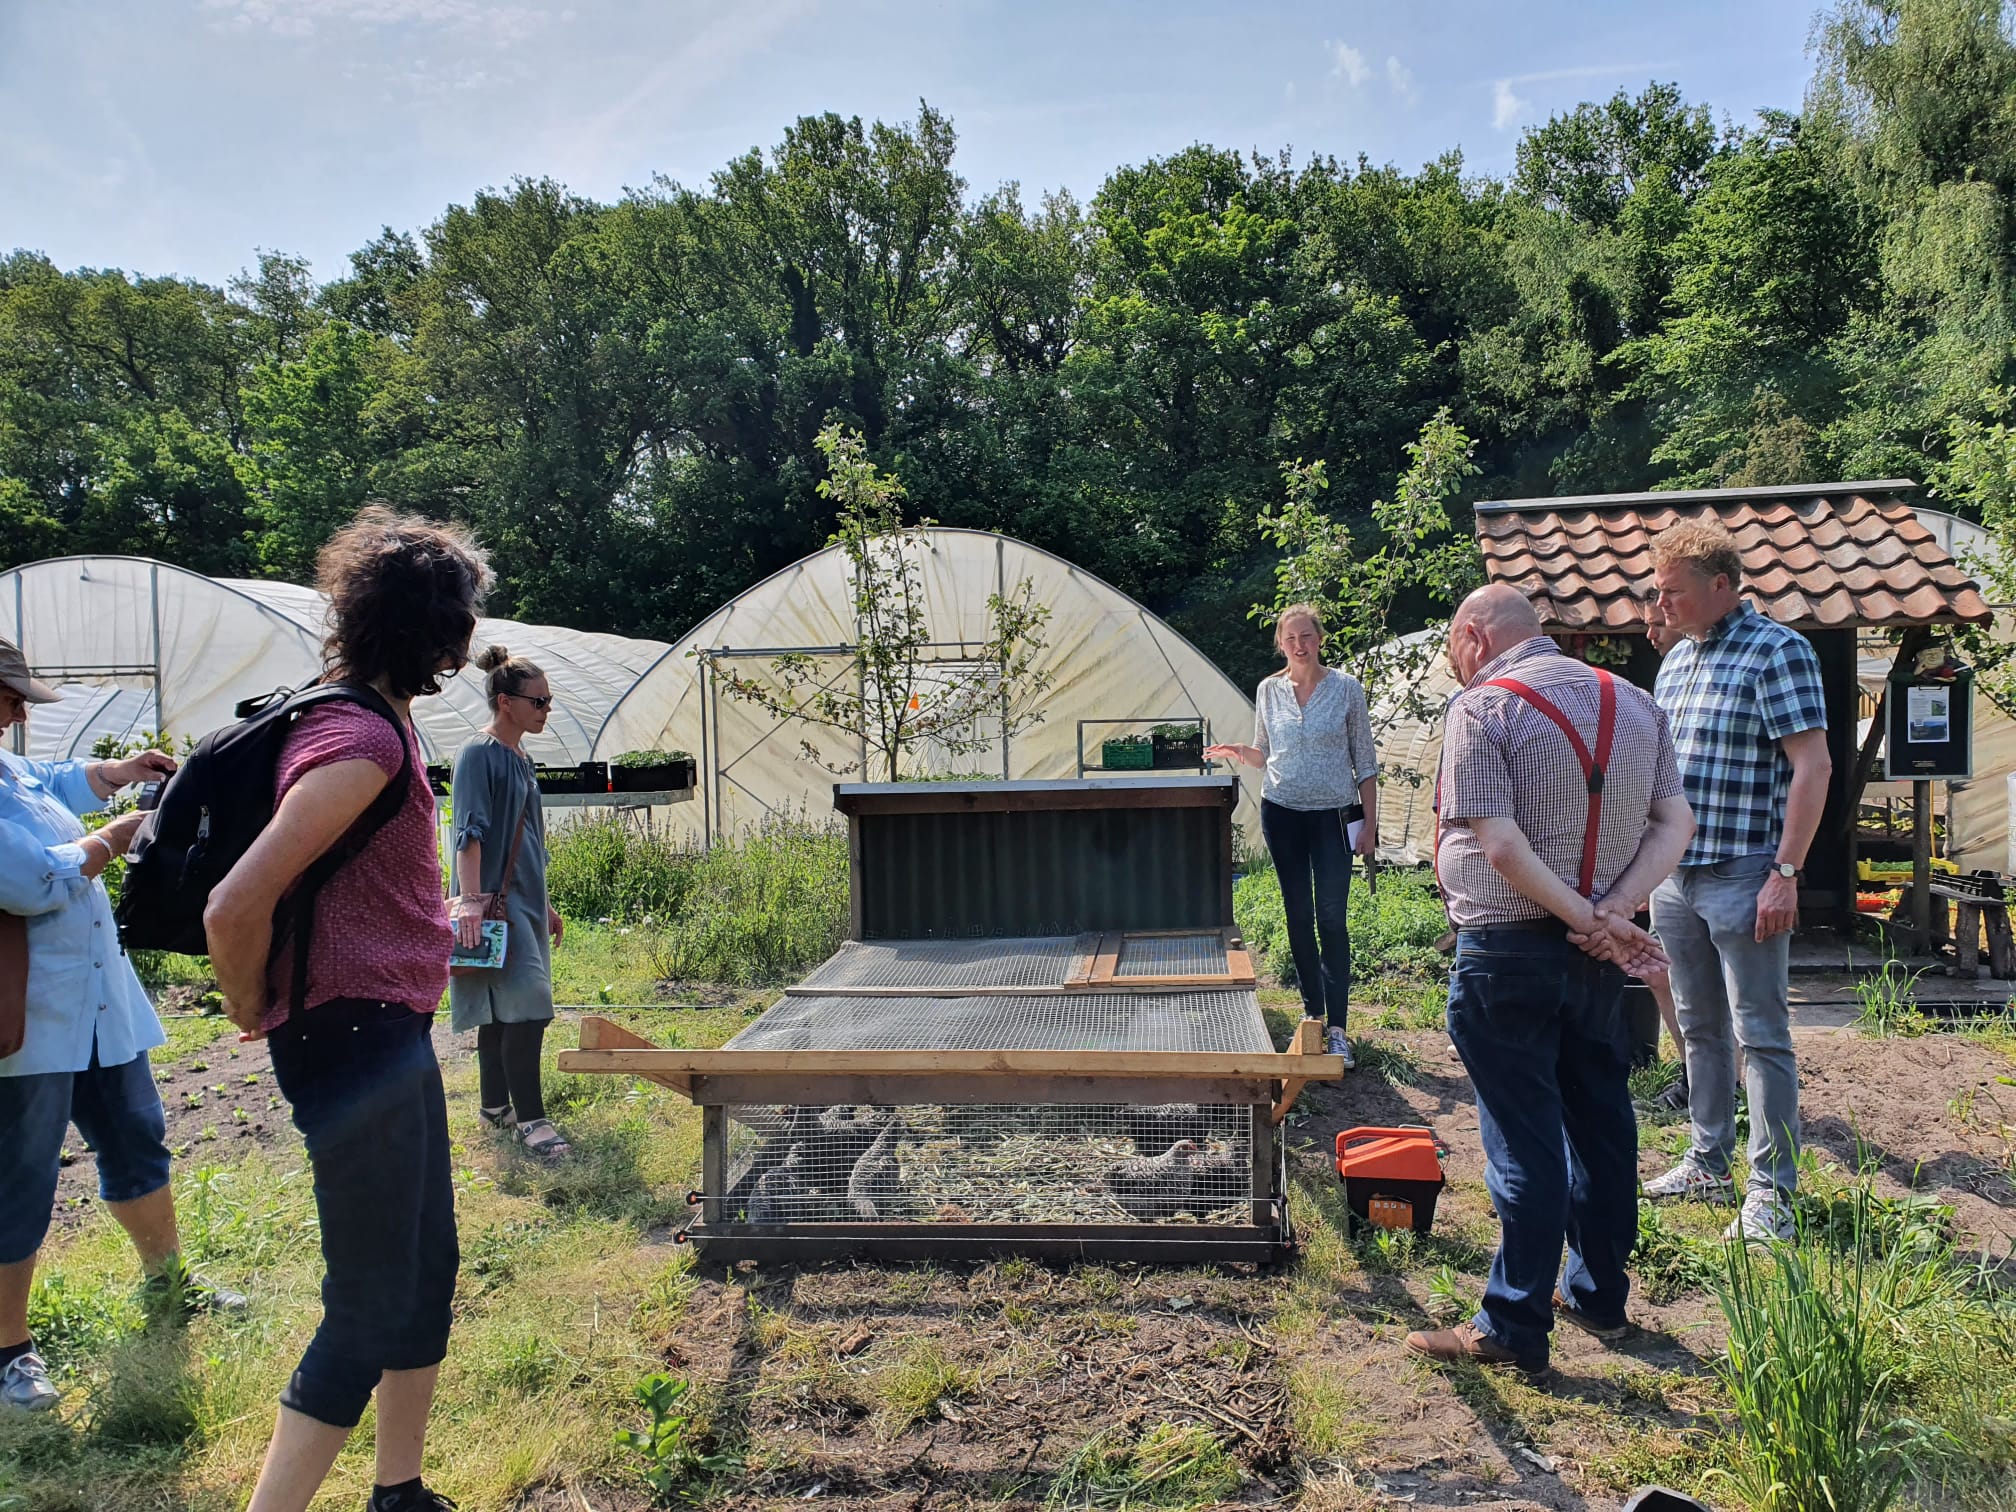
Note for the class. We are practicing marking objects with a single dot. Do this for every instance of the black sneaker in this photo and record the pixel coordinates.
(1673, 1099)
(416, 1500)
(180, 1295)
(420, 1499)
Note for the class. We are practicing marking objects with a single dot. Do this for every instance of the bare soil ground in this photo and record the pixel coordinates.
(1302, 1375)
(973, 1386)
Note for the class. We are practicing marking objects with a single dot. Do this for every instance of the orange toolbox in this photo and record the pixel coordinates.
(1391, 1177)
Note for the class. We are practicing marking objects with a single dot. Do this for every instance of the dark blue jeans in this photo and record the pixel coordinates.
(1312, 859)
(367, 1098)
(1541, 1029)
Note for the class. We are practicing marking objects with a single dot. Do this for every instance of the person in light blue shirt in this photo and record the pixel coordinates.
(75, 1029)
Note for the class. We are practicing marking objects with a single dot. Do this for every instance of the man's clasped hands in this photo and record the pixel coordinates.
(1606, 931)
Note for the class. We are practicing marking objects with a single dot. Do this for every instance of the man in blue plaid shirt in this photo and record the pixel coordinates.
(1749, 720)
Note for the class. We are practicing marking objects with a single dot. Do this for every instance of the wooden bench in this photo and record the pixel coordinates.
(1979, 902)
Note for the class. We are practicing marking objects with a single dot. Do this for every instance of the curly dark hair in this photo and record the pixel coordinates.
(403, 594)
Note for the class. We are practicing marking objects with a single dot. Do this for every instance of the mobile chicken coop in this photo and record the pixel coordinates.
(1041, 1037)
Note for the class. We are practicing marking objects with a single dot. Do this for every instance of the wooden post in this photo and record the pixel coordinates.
(1966, 939)
(714, 1163)
(1921, 867)
(1263, 1167)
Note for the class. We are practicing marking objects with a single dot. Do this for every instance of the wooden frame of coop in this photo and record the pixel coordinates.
(1127, 887)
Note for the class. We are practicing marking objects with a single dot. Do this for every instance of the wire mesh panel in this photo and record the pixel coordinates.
(1113, 1163)
(1171, 955)
(1037, 961)
(1226, 1021)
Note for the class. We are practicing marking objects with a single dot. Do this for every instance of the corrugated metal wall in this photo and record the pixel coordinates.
(949, 875)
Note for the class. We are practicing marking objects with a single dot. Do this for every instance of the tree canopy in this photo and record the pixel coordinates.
(625, 399)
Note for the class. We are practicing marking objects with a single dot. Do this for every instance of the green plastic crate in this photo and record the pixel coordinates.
(1126, 755)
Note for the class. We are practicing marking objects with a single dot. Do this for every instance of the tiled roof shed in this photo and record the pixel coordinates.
(1816, 556)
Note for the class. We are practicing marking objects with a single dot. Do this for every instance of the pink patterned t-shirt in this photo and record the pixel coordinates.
(381, 923)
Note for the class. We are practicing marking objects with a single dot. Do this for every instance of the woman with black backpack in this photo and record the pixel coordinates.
(355, 1058)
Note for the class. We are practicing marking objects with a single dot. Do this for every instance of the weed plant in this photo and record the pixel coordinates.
(668, 1457)
(1670, 1264)
(1889, 1003)
(1855, 1370)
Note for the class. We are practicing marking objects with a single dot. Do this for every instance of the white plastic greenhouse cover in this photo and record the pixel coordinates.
(99, 626)
(1108, 657)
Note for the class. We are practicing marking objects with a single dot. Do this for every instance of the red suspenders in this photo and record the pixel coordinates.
(1593, 766)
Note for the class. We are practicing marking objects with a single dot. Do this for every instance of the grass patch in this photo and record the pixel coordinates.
(1395, 1064)
(911, 1386)
(1168, 1466)
(746, 914)
(1393, 932)
(1652, 1079)
(600, 964)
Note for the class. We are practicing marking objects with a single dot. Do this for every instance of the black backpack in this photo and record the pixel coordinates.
(215, 806)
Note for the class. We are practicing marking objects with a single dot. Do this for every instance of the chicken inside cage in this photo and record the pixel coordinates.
(992, 1163)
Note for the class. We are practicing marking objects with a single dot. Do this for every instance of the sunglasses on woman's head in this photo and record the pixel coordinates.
(545, 702)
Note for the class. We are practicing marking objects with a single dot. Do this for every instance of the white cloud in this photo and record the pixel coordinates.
(1288, 91)
(1508, 107)
(1350, 64)
(1586, 71)
(1401, 77)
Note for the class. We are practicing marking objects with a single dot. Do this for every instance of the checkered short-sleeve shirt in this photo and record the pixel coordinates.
(1731, 699)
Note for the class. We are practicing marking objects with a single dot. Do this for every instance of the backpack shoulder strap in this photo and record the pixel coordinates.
(374, 818)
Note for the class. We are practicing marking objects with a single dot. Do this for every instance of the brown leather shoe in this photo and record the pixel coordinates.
(1467, 1342)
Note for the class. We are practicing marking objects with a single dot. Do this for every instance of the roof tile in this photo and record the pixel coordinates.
(1843, 559)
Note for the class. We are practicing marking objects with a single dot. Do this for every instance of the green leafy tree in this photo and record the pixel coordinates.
(313, 452)
(896, 698)
(1776, 260)
(1419, 564)
(1589, 163)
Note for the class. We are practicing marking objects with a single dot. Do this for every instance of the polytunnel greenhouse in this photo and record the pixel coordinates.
(138, 645)
(1113, 666)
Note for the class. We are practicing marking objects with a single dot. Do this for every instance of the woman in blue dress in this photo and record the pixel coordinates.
(496, 804)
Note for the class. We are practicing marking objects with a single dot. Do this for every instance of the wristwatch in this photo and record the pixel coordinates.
(1786, 869)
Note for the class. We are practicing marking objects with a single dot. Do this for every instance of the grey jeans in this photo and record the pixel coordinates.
(1732, 992)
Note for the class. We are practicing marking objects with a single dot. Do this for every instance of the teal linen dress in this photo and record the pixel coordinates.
(492, 786)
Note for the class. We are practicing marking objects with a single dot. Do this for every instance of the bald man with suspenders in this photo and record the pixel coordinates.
(1558, 788)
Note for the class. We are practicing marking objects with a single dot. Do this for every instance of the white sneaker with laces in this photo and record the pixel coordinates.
(1765, 1217)
(24, 1385)
(1690, 1180)
(1335, 1043)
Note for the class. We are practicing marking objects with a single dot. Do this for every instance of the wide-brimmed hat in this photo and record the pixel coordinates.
(14, 674)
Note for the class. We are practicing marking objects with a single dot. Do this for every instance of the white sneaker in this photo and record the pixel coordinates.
(1335, 1043)
(1766, 1217)
(1688, 1179)
(24, 1385)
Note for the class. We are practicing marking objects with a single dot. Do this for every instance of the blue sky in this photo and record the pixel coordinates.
(178, 136)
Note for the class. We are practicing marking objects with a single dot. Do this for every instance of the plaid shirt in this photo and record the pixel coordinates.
(1732, 697)
(1503, 759)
